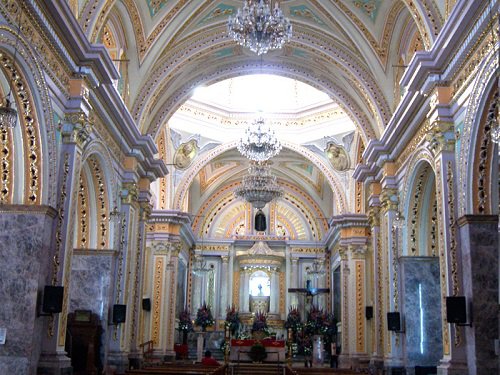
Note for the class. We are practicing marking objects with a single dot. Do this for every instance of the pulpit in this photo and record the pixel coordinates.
(83, 340)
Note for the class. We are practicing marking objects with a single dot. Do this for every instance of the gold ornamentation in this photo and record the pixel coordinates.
(157, 300)
(419, 22)
(83, 230)
(281, 290)
(236, 288)
(102, 204)
(132, 192)
(359, 266)
(414, 227)
(389, 200)
(6, 165)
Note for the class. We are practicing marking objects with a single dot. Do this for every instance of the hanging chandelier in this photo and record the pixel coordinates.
(260, 27)
(317, 269)
(8, 115)
(260, 186)
(259, 143)
(200, 267)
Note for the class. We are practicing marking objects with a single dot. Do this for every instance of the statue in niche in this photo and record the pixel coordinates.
(185, 154)
(337, 156)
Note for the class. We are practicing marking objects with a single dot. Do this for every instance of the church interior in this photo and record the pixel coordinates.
(187, 181)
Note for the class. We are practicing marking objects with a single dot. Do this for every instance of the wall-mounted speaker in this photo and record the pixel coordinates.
(456, 311)
(146, 304)
(260, 221)
(52, 299)
(393, 321)
(119, 313)
(369, 312)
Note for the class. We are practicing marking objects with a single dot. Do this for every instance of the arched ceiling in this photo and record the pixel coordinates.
(354, 51)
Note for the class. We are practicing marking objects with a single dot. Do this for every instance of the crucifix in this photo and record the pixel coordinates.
(309, 293)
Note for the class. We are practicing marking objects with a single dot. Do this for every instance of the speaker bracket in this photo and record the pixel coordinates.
(463, 324)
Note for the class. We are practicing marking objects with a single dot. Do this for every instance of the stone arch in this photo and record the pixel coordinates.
(474, 130)
(192, 172)
(98, 189)
(33, 142)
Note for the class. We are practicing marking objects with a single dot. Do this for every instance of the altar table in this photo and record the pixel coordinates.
(275, 350)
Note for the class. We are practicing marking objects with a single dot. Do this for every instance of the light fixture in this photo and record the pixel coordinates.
(200, 266)
(259, 142)
(260, 27)
(260, 186)
(317, 268)
(399, 221)
(8, 115)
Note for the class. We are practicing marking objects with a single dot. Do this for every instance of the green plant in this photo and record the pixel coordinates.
(257, 352)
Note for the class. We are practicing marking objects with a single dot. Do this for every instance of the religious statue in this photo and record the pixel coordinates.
(338, 157)
(185, 154)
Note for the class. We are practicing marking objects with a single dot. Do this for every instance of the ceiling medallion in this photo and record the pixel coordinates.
(260, 27)
(260, 186)
(259, 142)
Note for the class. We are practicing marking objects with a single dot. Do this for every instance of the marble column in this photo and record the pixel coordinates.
(479, 234)
(245, 287)
(294, 281)
(75, 131)
(224, 290)
(25, 265)
(274, 300)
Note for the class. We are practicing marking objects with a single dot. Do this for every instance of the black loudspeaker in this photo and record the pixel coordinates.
(119, 313)
(146, 304)
(260, 221)
(369, 312)
(456, 311)
(52, 299)
(393, 321)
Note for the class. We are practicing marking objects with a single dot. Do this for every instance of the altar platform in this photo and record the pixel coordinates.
(275, 349)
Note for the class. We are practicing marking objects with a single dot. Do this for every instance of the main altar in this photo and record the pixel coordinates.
(240, 349)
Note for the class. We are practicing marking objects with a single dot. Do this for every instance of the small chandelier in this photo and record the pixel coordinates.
(200, 267)
(259, 144)
(8, 115)
(317, 269)
(260, 186)
(259, 27)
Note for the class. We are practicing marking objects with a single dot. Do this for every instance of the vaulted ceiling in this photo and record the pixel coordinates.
(355, 51)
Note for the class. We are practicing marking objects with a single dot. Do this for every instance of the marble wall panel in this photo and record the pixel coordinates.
(421, 310)
(25, 238)
(92, 286)
(480, 262)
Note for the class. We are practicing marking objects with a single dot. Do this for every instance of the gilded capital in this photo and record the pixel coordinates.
(77, 128)
(130, 192)
(389, 199)
(374, 216)
(146, 210)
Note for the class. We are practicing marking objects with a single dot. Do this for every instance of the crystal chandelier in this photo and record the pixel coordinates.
(260, 27)
(317, 269)
(259, 143)
(8, 115)
(200, 267)
(260, 186)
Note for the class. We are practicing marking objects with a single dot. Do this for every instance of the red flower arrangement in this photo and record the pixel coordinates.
(259, 322)
(232, 318)
(204, 317)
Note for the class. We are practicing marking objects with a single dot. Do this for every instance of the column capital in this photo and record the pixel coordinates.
(129, 192)
(225, 259)
(374, 216)
(76, 128)
(358, 251)
(389, 199)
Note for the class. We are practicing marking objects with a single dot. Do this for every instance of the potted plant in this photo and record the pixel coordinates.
(185, 324)
(257, 352)
(204, 317)
(232, 319)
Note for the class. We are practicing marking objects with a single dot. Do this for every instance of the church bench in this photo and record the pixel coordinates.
(186, 369)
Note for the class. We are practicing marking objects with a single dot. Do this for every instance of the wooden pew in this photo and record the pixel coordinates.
(181, 369)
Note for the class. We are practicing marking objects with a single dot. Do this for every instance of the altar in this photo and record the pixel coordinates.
(275, 350)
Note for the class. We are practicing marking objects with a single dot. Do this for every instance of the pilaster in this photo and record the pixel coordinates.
(441, 139)
(76, 132)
